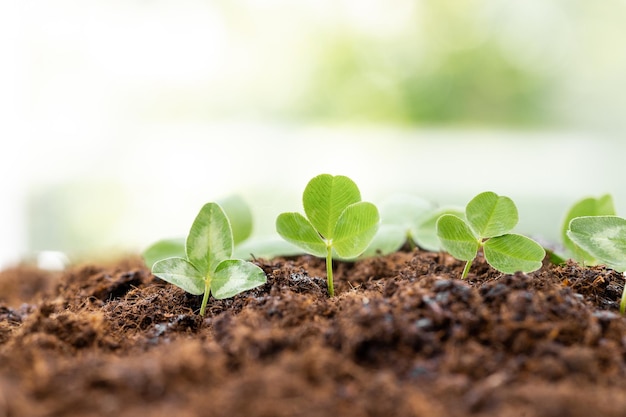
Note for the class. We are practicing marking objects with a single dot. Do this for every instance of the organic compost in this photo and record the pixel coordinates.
(404, 336)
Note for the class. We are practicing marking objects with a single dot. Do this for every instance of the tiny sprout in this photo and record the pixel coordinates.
(336, 221)
(207, 267)
(488, 220)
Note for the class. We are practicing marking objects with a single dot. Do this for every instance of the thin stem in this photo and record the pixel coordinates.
(622, 304)
(329, 270)
(205, 298)
(468, 264)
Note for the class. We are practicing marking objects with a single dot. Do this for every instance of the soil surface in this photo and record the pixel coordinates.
(403, 337)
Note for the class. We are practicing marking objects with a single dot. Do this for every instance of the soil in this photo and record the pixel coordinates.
(403, 337)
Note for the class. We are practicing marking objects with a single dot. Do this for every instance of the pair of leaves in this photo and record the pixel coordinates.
(489, 219)
(208, 267)
(407, 218)
(336, 219)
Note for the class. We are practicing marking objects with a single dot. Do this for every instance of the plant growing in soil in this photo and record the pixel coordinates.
(489, 219)
(604, 238)
(336, 221)
(207, 267)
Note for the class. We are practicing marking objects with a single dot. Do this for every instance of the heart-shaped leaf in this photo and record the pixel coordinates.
(210, 240)
(356, 226)
(511, 253)
(457, 237)
(234, 276)
(163, 249)
(296, 229)
(604, 237)
(491, 215)
(181, 273)
(325, 198)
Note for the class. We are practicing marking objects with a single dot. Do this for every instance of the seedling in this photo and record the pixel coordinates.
(604, 238)
(590, 206)
(207, 267)
(336, 222)
(406, 219)
(488, 220)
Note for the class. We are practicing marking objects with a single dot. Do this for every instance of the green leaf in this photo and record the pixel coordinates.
(457, 237)
(512, 253)
(210, 240)
(163, 249)
(239, 215)
(325, 198)
(491, 215)
(181, 273)
(424, 234)
(355, 229)
(604, 237)
(234, 276)
(296, 229)
(601, 206)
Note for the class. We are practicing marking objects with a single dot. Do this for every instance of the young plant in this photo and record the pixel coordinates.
(604, 238)
(336, 222)
(489, 218)
(207, 267)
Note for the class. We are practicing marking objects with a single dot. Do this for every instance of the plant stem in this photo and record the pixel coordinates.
(205, 297)
(329, 270)
(466, 269)
(622, 304)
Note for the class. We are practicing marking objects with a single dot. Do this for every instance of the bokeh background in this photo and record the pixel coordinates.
(119, 119)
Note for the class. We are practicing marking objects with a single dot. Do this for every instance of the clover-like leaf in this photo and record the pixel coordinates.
(590, 206)
(491, 215)
(457, 238)
(356, 226)
(180, 272)
(296, 229)
(325, 198)
(424, 233)
(163, 249)
(210, 240)
(234, 276)
(511, 253)
(603, 237)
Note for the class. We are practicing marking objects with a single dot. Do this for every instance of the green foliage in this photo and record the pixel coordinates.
(489, 221)
(407, 218)
(336, 222)
(604, 238)
(207, 267)
(237, 212)
(590, 206)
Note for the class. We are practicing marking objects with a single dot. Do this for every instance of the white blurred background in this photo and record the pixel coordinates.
(119, 119)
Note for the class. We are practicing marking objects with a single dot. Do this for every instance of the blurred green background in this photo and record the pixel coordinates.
(123, 118)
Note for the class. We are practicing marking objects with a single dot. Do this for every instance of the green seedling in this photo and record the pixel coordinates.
(604, 238)
(590, 206)
(207, 267)
(489, 219)
(336, 222)
(406, 218)
(236, 210)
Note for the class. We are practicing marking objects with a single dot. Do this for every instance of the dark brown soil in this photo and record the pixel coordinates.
(404, 337)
